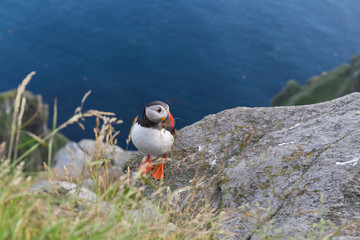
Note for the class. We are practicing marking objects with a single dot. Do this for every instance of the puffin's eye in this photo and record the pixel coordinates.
(159, 110)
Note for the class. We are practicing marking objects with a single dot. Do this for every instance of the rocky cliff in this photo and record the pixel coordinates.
(278, 172)
(329, 85)
(34, 120)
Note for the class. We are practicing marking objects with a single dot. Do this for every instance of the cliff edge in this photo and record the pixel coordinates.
(342, 80)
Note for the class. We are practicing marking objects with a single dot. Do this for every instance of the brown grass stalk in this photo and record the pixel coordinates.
(17, 102)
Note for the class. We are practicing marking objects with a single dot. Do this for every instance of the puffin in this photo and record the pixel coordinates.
(154, 134)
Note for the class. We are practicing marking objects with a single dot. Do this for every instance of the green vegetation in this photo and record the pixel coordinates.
(282, 98)
(120, 210)
(338, 82)
(33, 121)
(318, 89)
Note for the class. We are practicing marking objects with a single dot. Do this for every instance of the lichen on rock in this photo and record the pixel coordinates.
(286, 167)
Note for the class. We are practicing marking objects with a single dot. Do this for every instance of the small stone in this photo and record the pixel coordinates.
(72, 157)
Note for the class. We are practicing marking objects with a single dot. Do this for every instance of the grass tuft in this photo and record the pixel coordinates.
(108, 209)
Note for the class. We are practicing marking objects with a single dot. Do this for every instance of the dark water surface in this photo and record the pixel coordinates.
(201, 56)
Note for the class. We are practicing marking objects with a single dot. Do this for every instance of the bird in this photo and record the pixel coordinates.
(154, 134)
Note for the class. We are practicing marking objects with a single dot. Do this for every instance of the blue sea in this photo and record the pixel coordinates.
(199, 56)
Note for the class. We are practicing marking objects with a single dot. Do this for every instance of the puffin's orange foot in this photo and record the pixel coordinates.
(148, 166)
(158, 172)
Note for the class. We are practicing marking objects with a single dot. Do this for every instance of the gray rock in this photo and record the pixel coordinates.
(66, 187)
(84, 197)
(87, 198)
(73, 155)
(282, 169)
(114, 153)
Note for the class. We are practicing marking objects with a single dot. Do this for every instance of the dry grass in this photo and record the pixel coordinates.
(120, 209)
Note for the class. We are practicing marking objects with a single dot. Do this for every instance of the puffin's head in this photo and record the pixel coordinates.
(158, 111)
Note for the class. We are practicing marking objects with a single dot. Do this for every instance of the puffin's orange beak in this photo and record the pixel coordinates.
(171, 120)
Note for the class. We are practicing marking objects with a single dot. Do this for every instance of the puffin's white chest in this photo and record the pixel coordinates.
(151, 141)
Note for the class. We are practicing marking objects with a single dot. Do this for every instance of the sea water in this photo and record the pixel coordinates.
(199, 56)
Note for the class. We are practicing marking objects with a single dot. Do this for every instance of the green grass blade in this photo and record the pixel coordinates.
(37, 138)
(25, 154)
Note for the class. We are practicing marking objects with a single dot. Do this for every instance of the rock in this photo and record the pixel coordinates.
(85, 197)
(280, 169)
(34, 120)
(72, 156)
(342, 80)
(34, 109)
(115, 153)
(66, 187)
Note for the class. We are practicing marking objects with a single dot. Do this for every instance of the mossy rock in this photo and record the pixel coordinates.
(34, 120)
(342, 80)
(291, 88)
